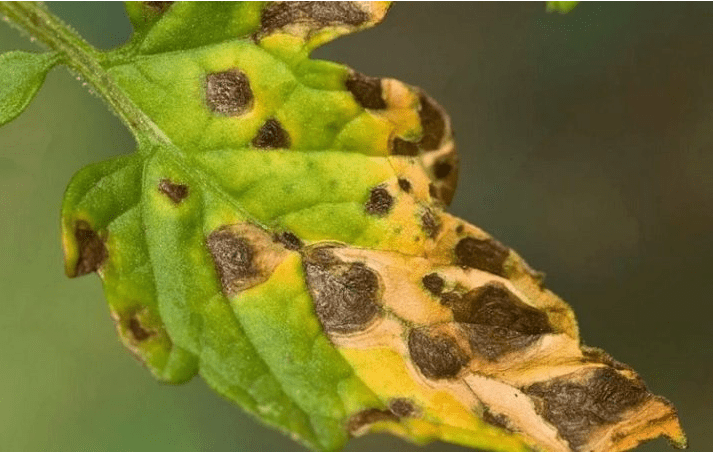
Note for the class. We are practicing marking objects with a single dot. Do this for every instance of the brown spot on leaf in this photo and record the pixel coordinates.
(228, 93)
(159, 6)
(451, 299)
(279, 14)
(289, 240)
(430, 224)
(176, 192)
(405, 185)
(488, 255)
(344, 294)
(433, 283)
(137, 330)
(437, 356)
(444, 172)
(324, 256)
(366, 90)
(577, 409)
(92, 252)
(137, 324)
(459, 229)
(402, 407)
(497, 420)
(271, 136)
(432, 122)
(400, 146)
(233, 256)
(380, 201)
(244, 255)
(496, 321)
(441, 169)
(367, 417)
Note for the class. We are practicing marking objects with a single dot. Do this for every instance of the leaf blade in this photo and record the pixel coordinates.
(22, 74)
(264, 142)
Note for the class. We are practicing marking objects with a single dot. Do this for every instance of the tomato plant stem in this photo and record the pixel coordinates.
(86, 61)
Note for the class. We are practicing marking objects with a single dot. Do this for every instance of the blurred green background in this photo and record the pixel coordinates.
(586, 144)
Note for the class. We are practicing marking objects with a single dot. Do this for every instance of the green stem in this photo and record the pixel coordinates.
(84, 59)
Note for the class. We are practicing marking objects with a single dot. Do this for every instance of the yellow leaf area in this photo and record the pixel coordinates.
(380, 377)
(290, 243)
(425, 325)
(437, 351)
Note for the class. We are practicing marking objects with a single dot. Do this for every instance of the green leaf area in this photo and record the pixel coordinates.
(281, 231)
(256, 133)
(22, 75)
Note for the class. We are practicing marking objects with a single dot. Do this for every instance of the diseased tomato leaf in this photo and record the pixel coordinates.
(289, 243)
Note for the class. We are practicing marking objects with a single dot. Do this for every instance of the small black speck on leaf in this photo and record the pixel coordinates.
(405, 185)
(433, 283)
(176, 192)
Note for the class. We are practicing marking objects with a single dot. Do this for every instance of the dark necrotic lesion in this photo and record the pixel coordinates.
(233, 256)
(399, 146)
(436, 356)
(289, 240)
(576, 409)
(433, 124)
(137, 330)
(345, 294)
(367, 417)
(271, 136)
(398, 408)
(175, 192)
(366, 90)
(484, 254)
(495, 419)
(228, 93)
(280, 14)
(92, 251)
(159, 7)
(430, 224)
(441, 169)
(379, 202)
(433, 283)
(402, 407)
(496, 321)
(405, 185)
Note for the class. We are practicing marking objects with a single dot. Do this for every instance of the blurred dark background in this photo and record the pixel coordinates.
(586, 144)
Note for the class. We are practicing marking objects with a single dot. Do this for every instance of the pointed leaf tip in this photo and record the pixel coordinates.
(288, 241)
(22, 75)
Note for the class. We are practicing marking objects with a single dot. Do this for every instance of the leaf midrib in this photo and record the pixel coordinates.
(152, 142)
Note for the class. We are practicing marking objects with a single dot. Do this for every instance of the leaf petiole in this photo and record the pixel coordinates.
(85, 60)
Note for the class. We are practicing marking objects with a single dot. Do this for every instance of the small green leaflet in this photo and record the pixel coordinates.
(281, 231)
(22, 75)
